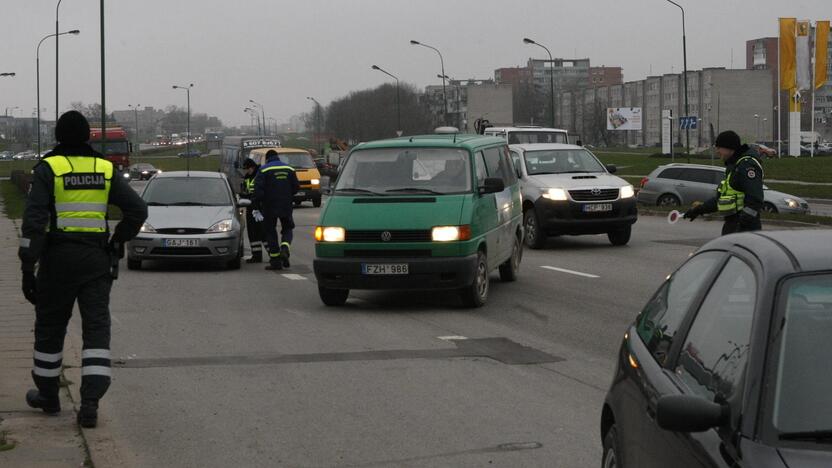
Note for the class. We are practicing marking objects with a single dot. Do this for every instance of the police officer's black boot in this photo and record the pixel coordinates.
(49, 404)
(274, 264)
(256, 257)
(88, 414)
(284, 255)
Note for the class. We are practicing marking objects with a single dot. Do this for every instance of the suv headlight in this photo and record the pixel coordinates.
(147, 228)
(225, 225)
(330, 234)
(627, 192)
(557, 194)
(315, 181)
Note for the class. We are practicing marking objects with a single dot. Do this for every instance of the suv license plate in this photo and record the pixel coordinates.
(385, 268)
(181, 243)
(597, 207)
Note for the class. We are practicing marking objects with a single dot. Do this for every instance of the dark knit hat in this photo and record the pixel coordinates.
(729, 140)
(249, 163)
(271, 155)
(72, 128)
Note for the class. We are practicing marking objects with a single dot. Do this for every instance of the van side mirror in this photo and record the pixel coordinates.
(687, 413)
(612, 168)
(492, 185)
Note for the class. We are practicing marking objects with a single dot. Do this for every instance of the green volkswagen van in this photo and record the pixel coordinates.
(433, 212)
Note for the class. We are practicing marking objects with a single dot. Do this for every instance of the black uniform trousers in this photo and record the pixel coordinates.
(736, 223)
(71, 272)
(255, 233)
(287, 224)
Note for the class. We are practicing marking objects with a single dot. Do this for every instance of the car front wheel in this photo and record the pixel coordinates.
(611, 458)
(620, 236)
(535, 238)
(476, 294)
(769, 208)
(333, 297)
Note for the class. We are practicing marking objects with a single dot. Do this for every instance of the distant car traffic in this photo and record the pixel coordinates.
(728, 363)
(190, 154)
(6, 155)
(683, 184)
(192, 216)
(142, 171)
(568, 191)
(432, 212)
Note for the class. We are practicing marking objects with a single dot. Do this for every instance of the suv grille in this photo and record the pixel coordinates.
(395, 236)
(181, 251)
(594, 195)
(387, 253)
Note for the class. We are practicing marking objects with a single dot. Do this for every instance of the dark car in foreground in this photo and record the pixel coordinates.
(728, 364)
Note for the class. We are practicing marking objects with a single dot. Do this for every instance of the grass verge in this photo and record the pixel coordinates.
(5, 444)
(14, 202)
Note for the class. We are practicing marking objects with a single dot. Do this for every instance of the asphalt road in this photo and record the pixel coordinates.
(248, 368)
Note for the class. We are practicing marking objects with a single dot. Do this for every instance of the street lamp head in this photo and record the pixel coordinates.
(526, 40)
(7, 74)
(175, 87)
(412, 42)
(74, 32)
(375, 67)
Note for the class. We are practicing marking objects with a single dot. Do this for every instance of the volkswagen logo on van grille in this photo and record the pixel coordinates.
(596, 191)
(386, 236)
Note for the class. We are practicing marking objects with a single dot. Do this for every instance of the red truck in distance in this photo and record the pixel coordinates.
(118, 146)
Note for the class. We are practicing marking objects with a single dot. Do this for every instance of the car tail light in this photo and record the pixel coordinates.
(644, 182)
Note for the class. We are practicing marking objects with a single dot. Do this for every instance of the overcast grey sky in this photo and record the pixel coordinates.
(278, 52)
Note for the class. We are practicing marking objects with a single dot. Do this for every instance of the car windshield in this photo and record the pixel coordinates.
(298, 160)
(143, 167)
(412, 170)
(520, 138)
(187, 191)
(803, 379)
(561, 162)
(113, 147)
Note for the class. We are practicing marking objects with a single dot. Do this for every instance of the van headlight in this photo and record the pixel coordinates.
(556, 194)
(450, 233)
(627, 192)
(315, 181)
(330, 234)
(225, 225)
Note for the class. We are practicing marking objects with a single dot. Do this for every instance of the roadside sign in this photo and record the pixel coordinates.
(688, 123)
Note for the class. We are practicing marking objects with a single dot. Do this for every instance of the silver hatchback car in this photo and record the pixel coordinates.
(191, 216)
(683, 184)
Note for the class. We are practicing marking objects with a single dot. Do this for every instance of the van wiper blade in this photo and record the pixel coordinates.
(188, 203)
(357, 190)
(415, 189)
(824, 435)
(153, 203)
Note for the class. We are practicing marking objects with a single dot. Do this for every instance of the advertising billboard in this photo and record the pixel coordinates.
(624, 118)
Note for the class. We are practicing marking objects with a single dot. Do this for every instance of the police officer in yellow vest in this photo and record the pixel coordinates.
(65, 237)
(740, 195)
(254, 219)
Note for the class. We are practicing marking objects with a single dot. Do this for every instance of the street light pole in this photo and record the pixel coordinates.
(442, 64)
(188, 138)
(757, 127)
(398, 98)
(57, 9)
(37, 77)
(262, 112)
(551, 74)
(317, 114)
(685, 65)
(138, 132)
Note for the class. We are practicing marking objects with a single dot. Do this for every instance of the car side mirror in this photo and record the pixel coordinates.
(244, 203)
(612, 168)
(687, 413)
(492, 185)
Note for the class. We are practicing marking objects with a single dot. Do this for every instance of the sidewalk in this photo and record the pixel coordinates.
(38, 440)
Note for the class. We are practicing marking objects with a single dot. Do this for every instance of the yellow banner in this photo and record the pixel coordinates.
(788, 55)
(821, 53)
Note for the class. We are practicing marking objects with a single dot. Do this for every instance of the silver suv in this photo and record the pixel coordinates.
(683, 184)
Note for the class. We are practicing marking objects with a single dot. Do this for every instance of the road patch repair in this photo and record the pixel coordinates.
(500, 349)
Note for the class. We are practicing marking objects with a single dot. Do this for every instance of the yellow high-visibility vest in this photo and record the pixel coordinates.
(82, 189)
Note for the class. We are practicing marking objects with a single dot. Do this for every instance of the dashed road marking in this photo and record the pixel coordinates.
(452, 338)
(571, 272)
(293, 276)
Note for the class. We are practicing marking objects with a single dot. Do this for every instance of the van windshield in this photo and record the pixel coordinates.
(298, 160)
(391, 171)
(522, 138)
(561, 162)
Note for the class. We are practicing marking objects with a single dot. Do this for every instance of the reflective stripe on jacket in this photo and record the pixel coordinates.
(732, 201)
(82, 189)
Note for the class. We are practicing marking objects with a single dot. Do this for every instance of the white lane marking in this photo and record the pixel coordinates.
(293, 276)
(571, 272)
(452, 338)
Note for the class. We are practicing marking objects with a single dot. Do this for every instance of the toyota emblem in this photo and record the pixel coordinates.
(596, 191)
(386, 236)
